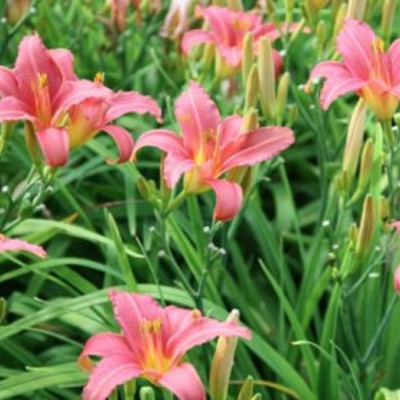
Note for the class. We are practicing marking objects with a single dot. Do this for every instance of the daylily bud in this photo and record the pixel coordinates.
(208, 57)
(355, 134)
(266, 71)
(248, 56)
(177, 19)
(388, 12)
(222, 363)
(292, 114)
(339, 21)
(353, 233)
(356, 9)
(251, 89)
(147, 393)
(250, 121)
(367, 227)
(367, 160)
(257, 397)
(283, 89)
(384, 208)
(321, 34)
(16, 9)
(397, 279)
(146, 188)
(289, 8)
(246, 392)
(235, 5)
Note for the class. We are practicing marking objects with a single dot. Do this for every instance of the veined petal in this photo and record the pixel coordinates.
(161, 139)
(20, 245)
(122, 103)
(221, 20)
(8, 83)
(394, 57)
(124, 141)
(12, 109)
(110, 372)
(54, 144)
(175, 164)
(184, 382)
(131, 309)
(355, 44)
(33, 61)
(194, 38)
(195, 330)
(197, 116)
(65, 62)
(330, 69)
(256, 146)
(106, 344)
(229, 129)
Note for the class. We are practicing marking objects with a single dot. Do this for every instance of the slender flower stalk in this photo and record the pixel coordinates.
(152, 345)
(210, 147)
(366, 69)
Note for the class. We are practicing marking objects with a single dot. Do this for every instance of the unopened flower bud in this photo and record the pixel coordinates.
(388, 12)
(246, 392)
(356, 9)
(397, 279)
(384, 208)
(292, 114)
(339, 21)
(146, 188)
(266, 70)
(355, 134)
(248, 56)
(221, 366)
(147, 393)
(251, 89)
(250, 121)
(283, 89)
(353, 233)
(321, 34)
(16, 9)
(367, 159)
(235, 5)
(367, 227)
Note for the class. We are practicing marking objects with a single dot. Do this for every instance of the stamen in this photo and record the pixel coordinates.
(43, 80)
(99, 77)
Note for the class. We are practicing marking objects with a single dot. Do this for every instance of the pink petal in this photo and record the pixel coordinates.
(229, 129)
(106, 344)
(221, 20)
(394, 57)
(184, 382)
(354, 43)
(110, 372)
(54, 143)
(122, 103)
(8, 83)
(397, 279)
(396, 226)
(339, 81)
(123, 140)
(160, 139)
(65, 62)
(197, 115)
(194, 38)
(12, 109)
(175, 164)
(256, 146)
(232, 55)
(130, 310)
(229, 198)
(32, 61)
(193, 330)
(20, 245)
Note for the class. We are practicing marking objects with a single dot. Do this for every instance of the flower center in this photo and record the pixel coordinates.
(379, 71)
(40, 89)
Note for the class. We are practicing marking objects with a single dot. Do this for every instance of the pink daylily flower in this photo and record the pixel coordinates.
(40, 89)
(366, 69)
(7, 245)
(93, 115)
(227, 31)
(210, 147)
(397, 279)
(152, 345)
(177, 19)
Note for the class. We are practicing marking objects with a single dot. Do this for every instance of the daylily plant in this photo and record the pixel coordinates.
(7, 245)
(366, 69)
(211, 147)
(227, 31)
(152, 346)
(64, 112)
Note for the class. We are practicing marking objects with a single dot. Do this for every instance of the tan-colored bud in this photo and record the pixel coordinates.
(236, 5)
(321, 34)
(384, 208)
(339, 21)
(221, 366)
(283, 90)
(356, 9)
(248, 56)
(367, 227)
(367, 161)
(250, 121)
(355, 134)
(388, 12)
(266, 70)
(252, 87)
(353, 233)
(16, 9)
(246, 392)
